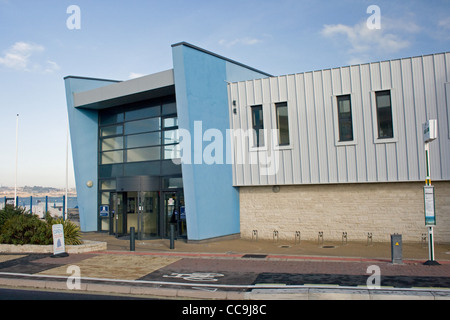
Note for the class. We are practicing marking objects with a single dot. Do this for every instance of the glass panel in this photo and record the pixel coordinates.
(112, 144)
(169, 108)
(150, 212)
(110, 171)
(143, 113)
(111, 131)
(282, 123)
(172, 152)
(258, 126)
(112, 157)
(170, 168)
(143, 168)
(172, 183)
(384, 114)
(345, 118)
(143, 140)
(152, 124)
(108, 185)
(170, 122)
(143, 154)
(171, 137)
(110, 118)
(105, 198)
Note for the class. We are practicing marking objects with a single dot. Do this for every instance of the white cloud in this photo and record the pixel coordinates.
(444, 23)
(19, 57)
(134, 75)
(247, 41)
(362, 42)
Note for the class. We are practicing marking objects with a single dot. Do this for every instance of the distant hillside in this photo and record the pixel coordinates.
(37, 191)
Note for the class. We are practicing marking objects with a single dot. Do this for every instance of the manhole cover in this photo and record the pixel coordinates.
(285, 247)
(328, 247)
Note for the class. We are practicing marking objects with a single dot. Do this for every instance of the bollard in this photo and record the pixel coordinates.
(172, 236)
(132, 239)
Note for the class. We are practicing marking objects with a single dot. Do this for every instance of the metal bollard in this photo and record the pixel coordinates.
(132, 238)
(172, 236)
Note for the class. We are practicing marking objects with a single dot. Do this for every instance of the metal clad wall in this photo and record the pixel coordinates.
(419, 91)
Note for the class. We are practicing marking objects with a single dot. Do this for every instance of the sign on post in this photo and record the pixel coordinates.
(59, 246)
(430, 216)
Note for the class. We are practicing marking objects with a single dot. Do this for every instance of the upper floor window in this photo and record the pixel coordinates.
(258, 126)
(282, 123)
(344, 106)
(384, 114)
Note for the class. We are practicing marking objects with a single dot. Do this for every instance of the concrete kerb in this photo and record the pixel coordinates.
(87, 246)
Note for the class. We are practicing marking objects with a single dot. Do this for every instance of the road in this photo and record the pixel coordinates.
(22, 294)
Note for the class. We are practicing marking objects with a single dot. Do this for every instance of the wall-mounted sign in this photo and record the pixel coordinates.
(104, 211)
(430, 214)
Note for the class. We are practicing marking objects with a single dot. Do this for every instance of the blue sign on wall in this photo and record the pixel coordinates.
(104, 211)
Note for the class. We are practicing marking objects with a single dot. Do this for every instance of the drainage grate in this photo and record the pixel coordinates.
(255, 256)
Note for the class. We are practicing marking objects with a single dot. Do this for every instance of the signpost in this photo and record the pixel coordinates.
(429, 135)
(59, 247)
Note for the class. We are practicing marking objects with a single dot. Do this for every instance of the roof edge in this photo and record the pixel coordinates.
(220, 57)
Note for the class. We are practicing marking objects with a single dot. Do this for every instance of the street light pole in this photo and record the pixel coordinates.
(17, 153)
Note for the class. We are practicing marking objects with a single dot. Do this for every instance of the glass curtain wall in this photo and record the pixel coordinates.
(136, 140)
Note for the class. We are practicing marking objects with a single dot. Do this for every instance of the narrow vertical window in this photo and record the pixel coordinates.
(258, 126)
(384, 114)
(344, 106)
(282, 123)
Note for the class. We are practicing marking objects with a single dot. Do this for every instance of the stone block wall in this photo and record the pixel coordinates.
(358, 209)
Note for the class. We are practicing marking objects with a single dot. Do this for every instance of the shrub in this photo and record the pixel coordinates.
(9, 212)
(19, 227)
(25, 229)
(72, 233)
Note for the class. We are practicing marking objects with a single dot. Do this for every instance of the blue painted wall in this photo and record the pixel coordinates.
(84, 137)
(212, 203)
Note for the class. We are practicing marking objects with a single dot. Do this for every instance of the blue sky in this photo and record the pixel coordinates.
(123, 39)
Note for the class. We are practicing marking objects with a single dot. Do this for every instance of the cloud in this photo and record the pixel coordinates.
(361, 42)
(134, 75)
(444, 23)
(247, 41)
(19, 57)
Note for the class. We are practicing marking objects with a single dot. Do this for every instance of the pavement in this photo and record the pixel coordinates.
(237, 269)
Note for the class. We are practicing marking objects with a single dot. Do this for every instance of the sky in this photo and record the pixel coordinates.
(120, 40)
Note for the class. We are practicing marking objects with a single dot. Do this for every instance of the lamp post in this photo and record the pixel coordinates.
(17, 153)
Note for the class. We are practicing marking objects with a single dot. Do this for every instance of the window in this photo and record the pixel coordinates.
(144, 154)
(258, 126)
(344, 106)
(384, 114)
(282, 123)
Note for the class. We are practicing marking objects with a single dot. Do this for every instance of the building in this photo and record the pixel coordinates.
(221, 149)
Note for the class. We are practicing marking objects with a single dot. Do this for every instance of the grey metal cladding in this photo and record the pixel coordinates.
(420, 90)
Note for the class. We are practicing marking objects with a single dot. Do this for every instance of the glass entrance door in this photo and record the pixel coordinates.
(116, 223)
(173, 205)
(135, 209)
